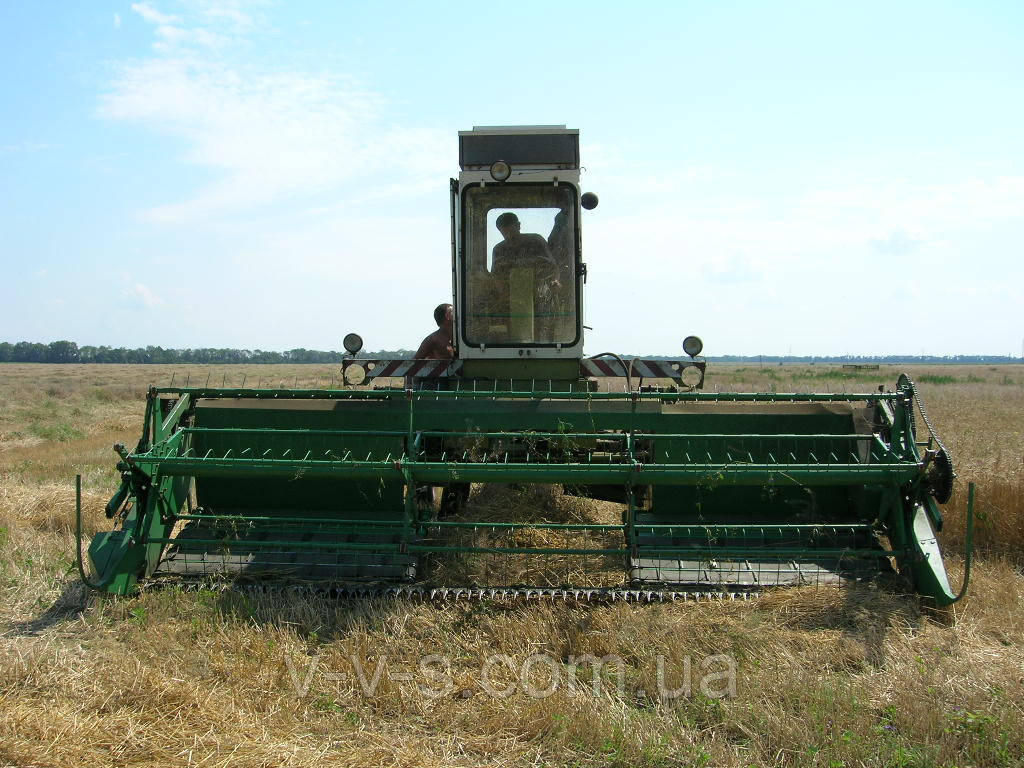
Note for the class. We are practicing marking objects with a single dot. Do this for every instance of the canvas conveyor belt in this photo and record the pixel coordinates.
(719, 494)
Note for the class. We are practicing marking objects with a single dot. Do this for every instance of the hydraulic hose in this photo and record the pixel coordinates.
(968, 544)
(628, 369)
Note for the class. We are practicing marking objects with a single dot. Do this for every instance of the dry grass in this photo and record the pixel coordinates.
(538, 504)
(823, 677)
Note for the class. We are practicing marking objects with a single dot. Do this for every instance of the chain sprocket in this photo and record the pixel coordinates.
(940, 476)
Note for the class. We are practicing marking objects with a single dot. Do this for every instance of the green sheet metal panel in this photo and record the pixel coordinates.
(328, 496)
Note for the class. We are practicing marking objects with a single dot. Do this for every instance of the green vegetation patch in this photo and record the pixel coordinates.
(940, 378)
(58, 431)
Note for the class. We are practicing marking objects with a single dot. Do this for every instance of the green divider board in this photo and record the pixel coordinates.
(328, 496)
(782, 502)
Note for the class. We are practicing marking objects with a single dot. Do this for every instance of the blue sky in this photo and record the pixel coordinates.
(809, 177)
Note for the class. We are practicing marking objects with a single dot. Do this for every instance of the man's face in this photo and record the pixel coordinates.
(448, 319)
(511, 229)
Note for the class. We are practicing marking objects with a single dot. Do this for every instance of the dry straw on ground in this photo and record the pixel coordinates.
(823, 677)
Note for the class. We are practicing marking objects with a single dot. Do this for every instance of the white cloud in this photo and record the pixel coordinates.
(176, 32)
(227, 12)
(152, 15)
(271, 134)
(117, 21)
(896, 242)
(307, 188)
(23, 146)
(708, 226)
(731, 269)
(140, 296)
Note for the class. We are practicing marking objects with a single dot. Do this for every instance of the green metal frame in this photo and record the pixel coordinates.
(345, 465)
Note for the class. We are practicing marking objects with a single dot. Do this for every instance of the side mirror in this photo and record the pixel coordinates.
(588, 200)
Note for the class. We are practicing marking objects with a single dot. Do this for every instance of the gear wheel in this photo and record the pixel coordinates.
(939, 477)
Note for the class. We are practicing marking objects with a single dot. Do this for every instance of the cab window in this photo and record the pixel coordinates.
(519, 266)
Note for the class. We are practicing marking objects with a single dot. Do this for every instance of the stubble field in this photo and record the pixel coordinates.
(797, 677)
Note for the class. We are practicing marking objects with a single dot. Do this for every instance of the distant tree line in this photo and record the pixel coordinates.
(856, 359)
(70, 352)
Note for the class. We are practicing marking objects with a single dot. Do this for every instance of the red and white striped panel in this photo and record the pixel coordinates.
(646, 369)
(432, 369)
(427, 369)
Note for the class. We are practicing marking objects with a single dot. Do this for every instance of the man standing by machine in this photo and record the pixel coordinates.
(439, 344)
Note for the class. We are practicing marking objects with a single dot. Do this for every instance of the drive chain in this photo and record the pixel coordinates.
(906, 382)
(942, 487)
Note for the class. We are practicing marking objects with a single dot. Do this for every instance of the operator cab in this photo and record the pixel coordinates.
(516, 243)
(517, 277)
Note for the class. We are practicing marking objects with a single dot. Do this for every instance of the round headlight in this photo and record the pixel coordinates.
(500, 170)
(692, 345)
(352, 342)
